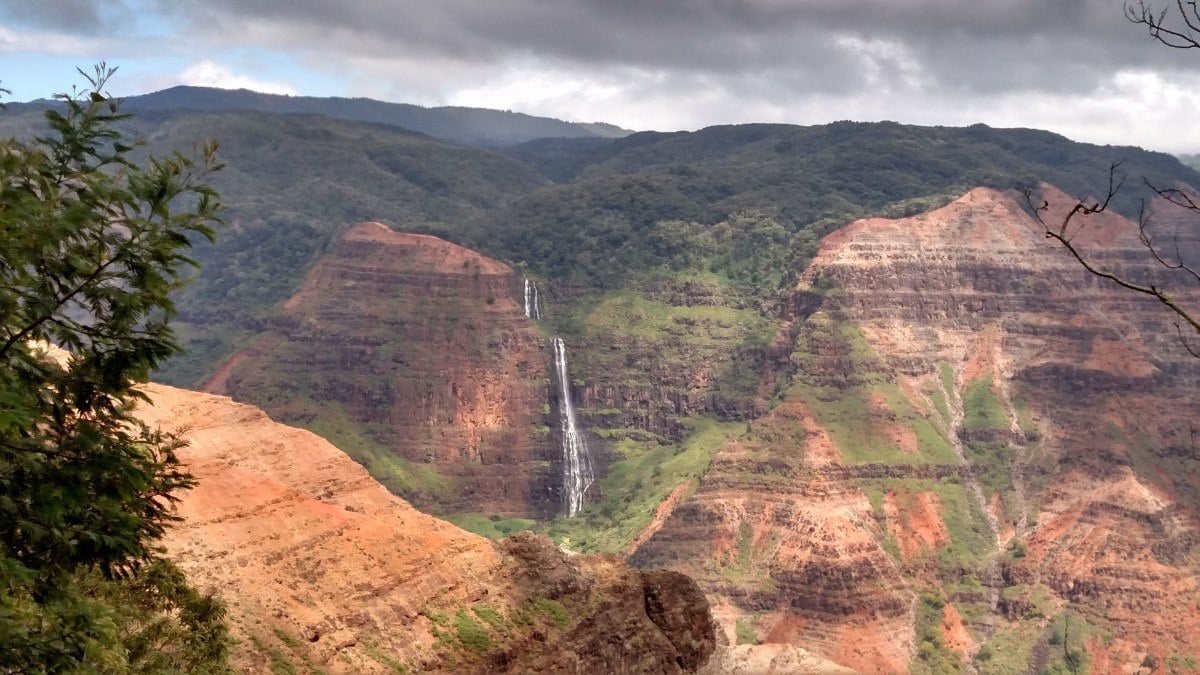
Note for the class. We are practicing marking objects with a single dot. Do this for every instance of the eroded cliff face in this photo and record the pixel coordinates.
(413, 354)
(789, 550)
(979, 446)
(668, 349)
(325, 571)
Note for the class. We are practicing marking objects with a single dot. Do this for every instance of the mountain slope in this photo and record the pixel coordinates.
(603, 224)
(413, 354)
(464, 126)
(325, 571)
(969, 423)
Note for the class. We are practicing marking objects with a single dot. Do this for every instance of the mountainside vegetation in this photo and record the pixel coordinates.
(590, 210)
(463, 126)
(732, 185)
(747, 203)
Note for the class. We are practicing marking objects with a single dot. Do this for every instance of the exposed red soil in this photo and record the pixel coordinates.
(915, 521)
(216, 383)
(954, 632)
(324, 569)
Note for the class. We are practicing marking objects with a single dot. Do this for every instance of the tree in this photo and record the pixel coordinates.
(1180, 30)
(91, 246)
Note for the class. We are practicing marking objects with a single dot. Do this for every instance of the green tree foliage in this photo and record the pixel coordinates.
(740, 188)
(91, 246)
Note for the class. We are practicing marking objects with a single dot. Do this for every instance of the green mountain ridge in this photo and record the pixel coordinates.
(809, 180)
(747, 203)
(460, 125)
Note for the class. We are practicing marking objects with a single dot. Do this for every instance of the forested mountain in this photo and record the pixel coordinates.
(463, 126)
(806, 180)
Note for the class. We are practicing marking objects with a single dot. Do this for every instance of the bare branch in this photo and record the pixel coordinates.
(1187, 344)
(1180, 33)
(1065, 237)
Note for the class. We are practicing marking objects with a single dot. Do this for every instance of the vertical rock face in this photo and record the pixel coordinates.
(666, 349)
(976, 439)
(325, 571)
(406, 346)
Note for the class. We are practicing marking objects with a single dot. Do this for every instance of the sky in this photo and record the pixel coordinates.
(1077, 67)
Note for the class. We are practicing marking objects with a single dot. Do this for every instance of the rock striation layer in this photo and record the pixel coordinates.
(976, 439)
(325, 571)
(414, 354)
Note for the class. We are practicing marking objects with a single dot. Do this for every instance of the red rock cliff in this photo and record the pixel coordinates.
(968, 419)
(406, 346)
(325, 571)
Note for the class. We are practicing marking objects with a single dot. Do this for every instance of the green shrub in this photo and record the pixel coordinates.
(435, 616)
(471, 633)
(746, 633)
(553, 609)
(491, 617)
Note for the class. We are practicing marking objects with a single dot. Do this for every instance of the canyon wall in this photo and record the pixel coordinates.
(324, 571)
(950, 448)
(413, 354)
(978, 445)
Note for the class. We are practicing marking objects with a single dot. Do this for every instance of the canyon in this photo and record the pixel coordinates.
(750, 399)
(955, 448)
(923, 442)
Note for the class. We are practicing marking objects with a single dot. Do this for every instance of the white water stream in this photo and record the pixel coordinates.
(577, 463)
(533, 306)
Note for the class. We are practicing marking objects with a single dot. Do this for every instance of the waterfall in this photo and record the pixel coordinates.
(533, 307)
(577, 463)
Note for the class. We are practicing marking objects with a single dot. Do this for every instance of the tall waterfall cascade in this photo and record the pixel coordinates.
(577, 463)
(533, 306)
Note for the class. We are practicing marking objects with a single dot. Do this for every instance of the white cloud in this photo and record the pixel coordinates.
(538, 89)
(50, 43)
(208, 73)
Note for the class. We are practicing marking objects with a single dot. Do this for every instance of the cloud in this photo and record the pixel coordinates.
(51, 43)
(719, 36)
(688, 63)
(208, 73)
(75, 15)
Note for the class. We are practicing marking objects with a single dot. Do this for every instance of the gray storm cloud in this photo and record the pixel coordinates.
(694, 62)
(954, 44)
(985, 45)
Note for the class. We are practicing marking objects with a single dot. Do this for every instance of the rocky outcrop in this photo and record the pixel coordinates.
(414, 354)
(1119, 553)
(957, 393)
(773, 539)
(325, 571)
